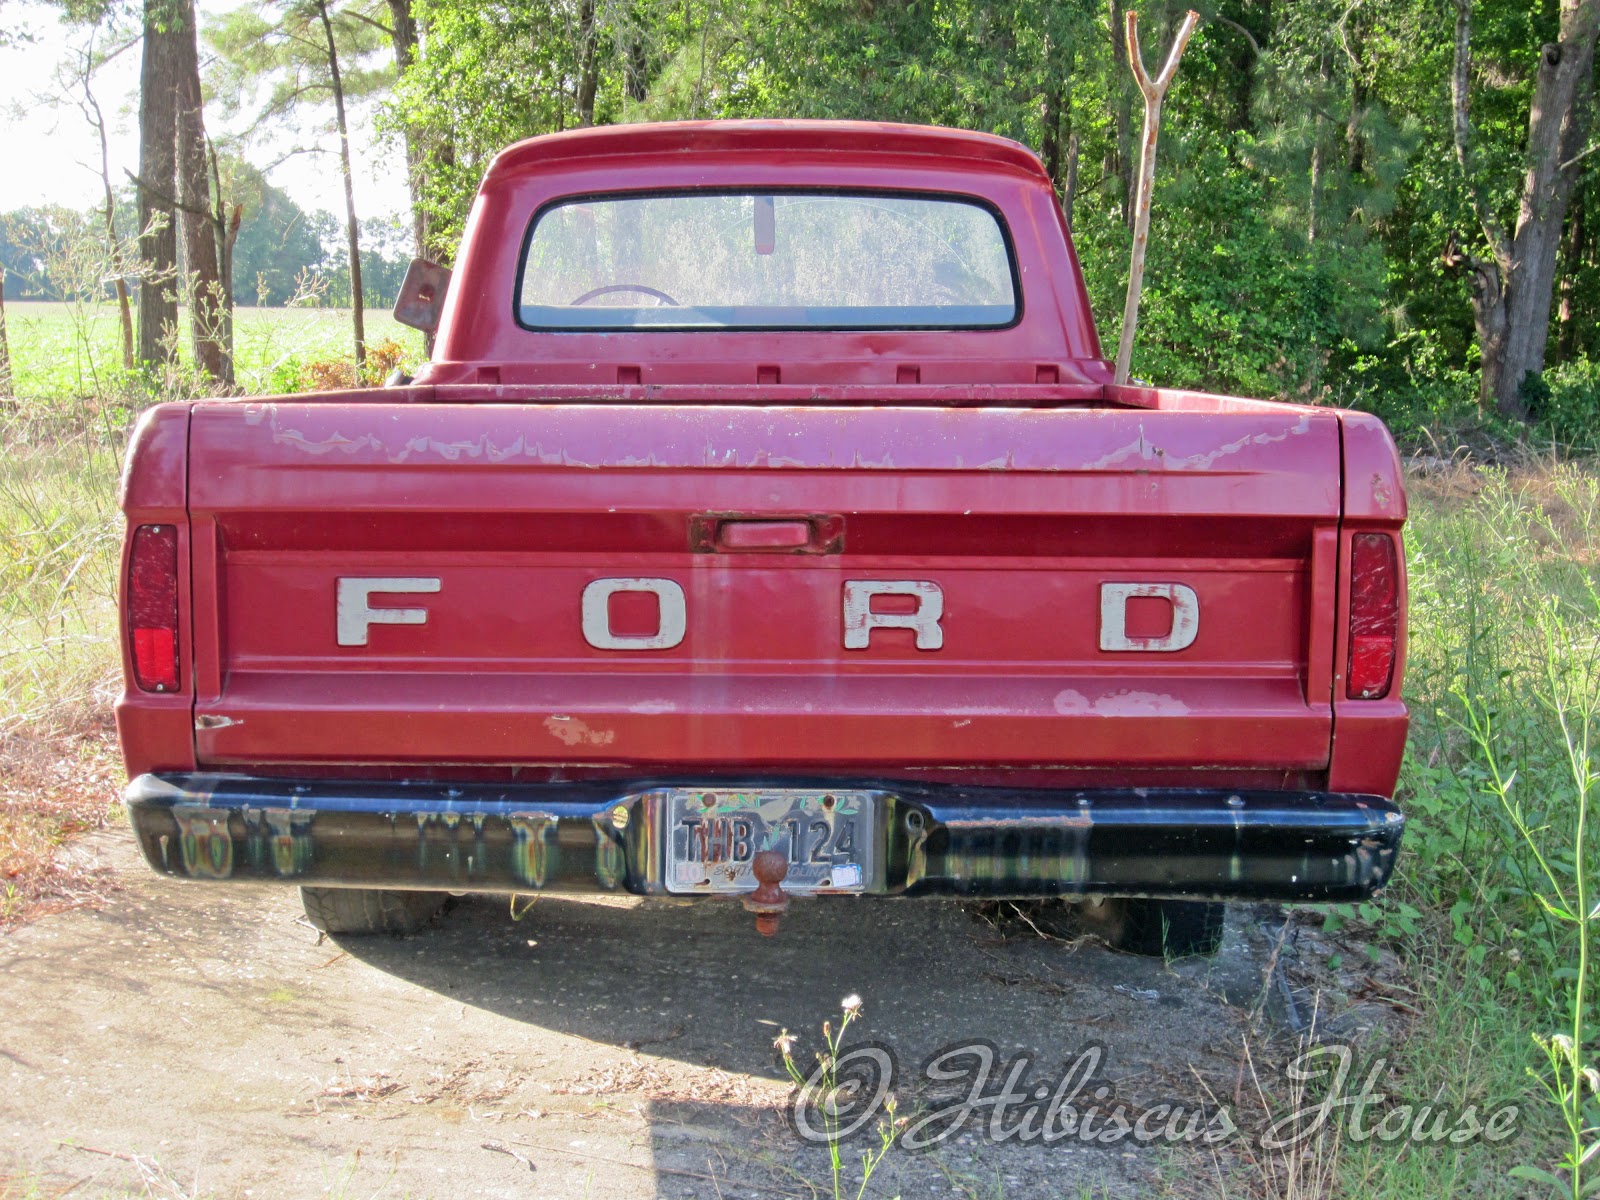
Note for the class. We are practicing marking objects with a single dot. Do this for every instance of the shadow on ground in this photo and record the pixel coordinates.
(613, 1048)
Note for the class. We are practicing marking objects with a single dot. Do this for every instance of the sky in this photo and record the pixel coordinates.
(52, 154)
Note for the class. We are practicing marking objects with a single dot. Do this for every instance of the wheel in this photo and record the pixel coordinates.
(369, 910)
(1159, 928)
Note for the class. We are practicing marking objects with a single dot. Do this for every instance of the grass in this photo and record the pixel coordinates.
(1504, 679)
(60, 534)
(59, 542)
(71, 353)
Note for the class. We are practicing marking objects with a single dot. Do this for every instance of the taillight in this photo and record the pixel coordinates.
(1374, 615)
(153, 607)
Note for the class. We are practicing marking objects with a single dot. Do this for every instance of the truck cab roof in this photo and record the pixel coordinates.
(825, 139)
(1046, 337)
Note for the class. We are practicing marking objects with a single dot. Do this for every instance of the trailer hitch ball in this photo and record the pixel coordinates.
(768, 901)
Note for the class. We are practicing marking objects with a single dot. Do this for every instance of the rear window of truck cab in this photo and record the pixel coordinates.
(767, 260)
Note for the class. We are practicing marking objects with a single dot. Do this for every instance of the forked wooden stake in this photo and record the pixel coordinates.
(1155, 91)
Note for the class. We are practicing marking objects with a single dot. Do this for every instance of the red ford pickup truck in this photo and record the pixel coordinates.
(766, 523)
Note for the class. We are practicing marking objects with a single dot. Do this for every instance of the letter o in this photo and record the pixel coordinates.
(597, 614)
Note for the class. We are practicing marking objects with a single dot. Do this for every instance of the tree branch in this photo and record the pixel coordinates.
(1255, 46)
(166, 197)
(362, 17)
(1155, 89)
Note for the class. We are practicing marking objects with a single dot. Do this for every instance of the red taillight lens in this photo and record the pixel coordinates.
(152, 601)
(1374, 615)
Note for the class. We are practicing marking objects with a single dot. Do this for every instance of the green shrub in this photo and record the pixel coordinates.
(1564, 403)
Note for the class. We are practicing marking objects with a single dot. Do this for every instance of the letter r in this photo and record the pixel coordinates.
(860, 620)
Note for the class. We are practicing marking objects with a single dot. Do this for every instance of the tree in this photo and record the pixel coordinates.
(158, 169)
(1513, 287)
(209, 312)
(5, 340)
(276, 240)
(300, 51)
(175, 187)
(352, 222)
(488, 75)
(1155, 94)
(1311, 184)
(406, 39)
(76, 80)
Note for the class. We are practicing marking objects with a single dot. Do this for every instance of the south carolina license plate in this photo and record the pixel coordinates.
(714, 834)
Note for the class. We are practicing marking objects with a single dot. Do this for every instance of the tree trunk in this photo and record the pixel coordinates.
(352, 226)
(1069, 191)
(635, 64)
(1050, 128)
(1121, 116)
(195, 218)
(1355, 141)
(158, 231)
(1318, 166)
(588, 67)
(108, 215)
(1155, 93)
(407, 40)
(226, 229)
(1513, 292)
(5, 342)
(1571, 263)
(403, 36)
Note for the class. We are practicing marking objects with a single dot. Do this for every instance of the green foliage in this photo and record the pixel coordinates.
(1564, 402)
(277, 239)
(1307, 194)
(273, 59)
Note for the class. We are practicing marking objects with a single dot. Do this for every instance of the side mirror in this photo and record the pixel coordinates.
(421, 297)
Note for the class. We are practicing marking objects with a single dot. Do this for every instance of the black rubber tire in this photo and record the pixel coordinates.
(1157, 928)
(369, 910)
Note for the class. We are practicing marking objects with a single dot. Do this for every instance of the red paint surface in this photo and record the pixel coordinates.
(591, 456)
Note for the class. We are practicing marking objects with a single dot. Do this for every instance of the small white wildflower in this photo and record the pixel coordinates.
(851, 1004)
(785, 1043)
(1592, 1078)
(1562, 1043)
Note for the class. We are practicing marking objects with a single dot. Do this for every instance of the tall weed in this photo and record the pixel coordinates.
(1504, 684)
(59, 545)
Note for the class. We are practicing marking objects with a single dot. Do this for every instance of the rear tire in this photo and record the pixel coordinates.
(369, 910)
(1157, 928)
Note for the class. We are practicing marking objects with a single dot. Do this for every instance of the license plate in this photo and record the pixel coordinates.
(713, 836)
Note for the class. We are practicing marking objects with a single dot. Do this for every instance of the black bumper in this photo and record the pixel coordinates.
(607, 837)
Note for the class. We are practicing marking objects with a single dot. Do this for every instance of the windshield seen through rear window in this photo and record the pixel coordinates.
(767, 261)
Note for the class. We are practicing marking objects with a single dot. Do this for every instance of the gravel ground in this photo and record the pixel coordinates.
(202, 1040)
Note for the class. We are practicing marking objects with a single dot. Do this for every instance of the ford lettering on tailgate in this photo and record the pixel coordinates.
(356, 614)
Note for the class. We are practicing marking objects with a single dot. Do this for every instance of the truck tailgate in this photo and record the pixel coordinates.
(1018, 519)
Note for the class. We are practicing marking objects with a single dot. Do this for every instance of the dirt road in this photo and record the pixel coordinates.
(611, 1050)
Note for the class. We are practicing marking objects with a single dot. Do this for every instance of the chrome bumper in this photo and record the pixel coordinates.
(608, 837)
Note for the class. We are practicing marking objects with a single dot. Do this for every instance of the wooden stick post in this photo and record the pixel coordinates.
(1155, 91)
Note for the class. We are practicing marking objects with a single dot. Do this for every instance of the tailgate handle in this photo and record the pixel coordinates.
(763, 535)
(718, 534)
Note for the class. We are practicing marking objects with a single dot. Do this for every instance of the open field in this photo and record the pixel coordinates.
(66, 352)
(1449, 977)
